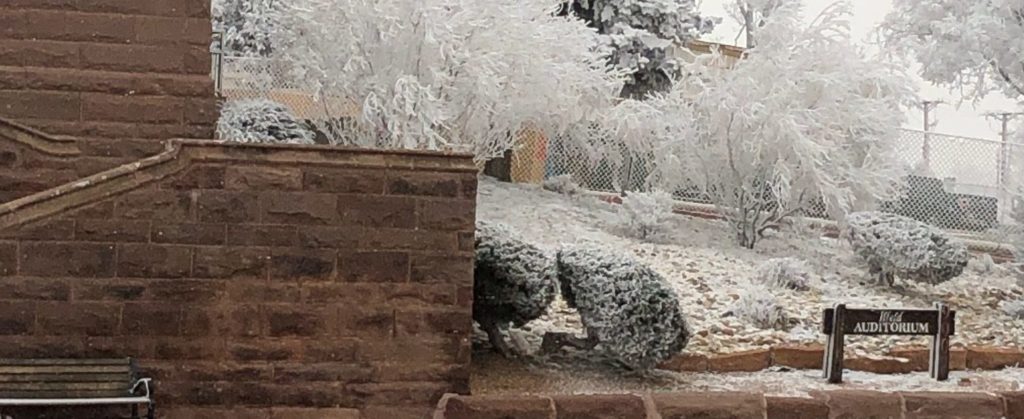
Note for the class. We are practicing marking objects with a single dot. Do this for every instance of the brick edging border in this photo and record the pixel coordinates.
(910, 359)
(714, 405)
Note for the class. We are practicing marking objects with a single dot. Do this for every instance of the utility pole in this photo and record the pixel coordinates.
(1004, 150)
(1003, 159)
(926, 151)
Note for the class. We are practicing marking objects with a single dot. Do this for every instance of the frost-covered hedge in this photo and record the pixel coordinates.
(627, 307)
(260, 121)
(758, 306)
(514, 281)
(784, 273)
(1014, 309)
(644, 215)
(563, 184)
(894, 245)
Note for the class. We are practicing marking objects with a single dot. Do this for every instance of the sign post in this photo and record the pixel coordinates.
(840, 321)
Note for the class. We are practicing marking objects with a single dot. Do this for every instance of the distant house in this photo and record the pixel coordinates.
(731, 53)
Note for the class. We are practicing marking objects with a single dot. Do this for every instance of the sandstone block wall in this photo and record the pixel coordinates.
(108, 68)
(32, 161)
(727, 405)
(254, 281)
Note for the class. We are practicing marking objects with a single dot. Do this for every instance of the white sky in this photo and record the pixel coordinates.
(967, 121)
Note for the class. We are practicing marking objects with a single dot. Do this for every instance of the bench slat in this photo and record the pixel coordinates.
(66, 369)
(63, 386)
(62, 361)
(65, 378)
(52, 394)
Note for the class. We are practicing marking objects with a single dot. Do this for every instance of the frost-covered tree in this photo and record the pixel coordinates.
(644, 215)
(643, 34)
(513, 282)
(894, 245)
(245, 26)
(974, 47)
(804, 119)
(447, 74)
(752, 15)
(260, 121)
(626, 307)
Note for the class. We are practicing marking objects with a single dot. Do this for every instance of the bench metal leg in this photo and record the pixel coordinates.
(135, 411)
(151, 410)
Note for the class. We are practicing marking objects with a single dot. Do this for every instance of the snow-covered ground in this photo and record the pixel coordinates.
(709, 273)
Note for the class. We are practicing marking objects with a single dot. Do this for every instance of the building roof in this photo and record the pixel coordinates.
(706, 48)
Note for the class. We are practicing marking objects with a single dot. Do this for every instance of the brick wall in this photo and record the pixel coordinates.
(254, 281)
(108, 68)
(722, 405)
(32, 161)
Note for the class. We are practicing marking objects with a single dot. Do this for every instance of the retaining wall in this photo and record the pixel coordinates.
(820, 405)
(253, 281)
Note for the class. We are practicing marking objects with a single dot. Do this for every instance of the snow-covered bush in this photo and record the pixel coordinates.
(805, 118)
(445, 74)
(260, 121)
(983, 264)
(894, 245)
(562, 184)
(643, 215)
(513, 281)
(784, 273)
(761, 308)
(626, 307)
(1014, 309)
(643, 34)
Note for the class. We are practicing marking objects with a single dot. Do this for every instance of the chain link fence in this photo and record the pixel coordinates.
(956, 183)
(971, 185)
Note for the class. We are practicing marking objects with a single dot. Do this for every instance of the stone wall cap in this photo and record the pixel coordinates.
(180, 153)
(37, 140)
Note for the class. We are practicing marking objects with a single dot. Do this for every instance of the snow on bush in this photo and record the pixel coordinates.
(784, 273)
(1014, 309)
(760, 307)
(643, 215)
(804, 118)
(894, 245)
(983, 264)
(514, 281)
(260, 121)
(445, 74)
(625, 306)
(562, 184)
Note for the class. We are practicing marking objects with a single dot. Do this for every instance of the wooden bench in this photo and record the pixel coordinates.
(74, 382)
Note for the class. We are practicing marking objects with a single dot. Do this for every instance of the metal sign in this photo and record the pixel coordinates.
(840, 321)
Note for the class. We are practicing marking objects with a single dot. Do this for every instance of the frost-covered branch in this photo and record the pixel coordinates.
(975, 47)
(805, 118)
(643, 34)
(446, 74)
(245, 26)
